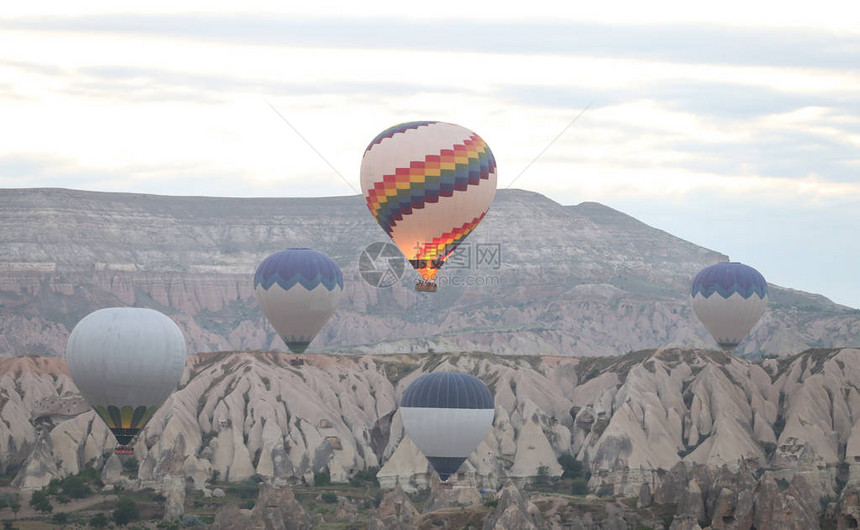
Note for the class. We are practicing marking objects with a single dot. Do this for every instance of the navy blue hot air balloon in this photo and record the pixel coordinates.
(729, 298)
(447, 414)
(298, 290)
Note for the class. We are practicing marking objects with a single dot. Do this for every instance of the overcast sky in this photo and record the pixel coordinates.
(735, 126)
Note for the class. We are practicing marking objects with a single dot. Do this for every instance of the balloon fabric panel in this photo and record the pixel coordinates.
(126, 362)
(424, 182)
(298, 290)
(448, 390)
(428, 185)
(729, 298)
(726, 278)
(447, 414)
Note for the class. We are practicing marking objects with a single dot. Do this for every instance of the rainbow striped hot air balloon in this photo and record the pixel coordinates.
(126, 361)
(298, 290)
(729, 298)
(428, 184)
(447, 414)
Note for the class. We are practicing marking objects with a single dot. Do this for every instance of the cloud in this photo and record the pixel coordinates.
(696, 44)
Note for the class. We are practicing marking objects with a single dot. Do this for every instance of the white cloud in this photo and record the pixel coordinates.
(677, 128)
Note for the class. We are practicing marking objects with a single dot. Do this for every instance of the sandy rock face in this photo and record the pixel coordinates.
(599, 281)
(512, 511)
(396, 511)
(692, 428)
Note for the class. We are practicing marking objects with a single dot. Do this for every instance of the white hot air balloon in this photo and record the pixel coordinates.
(447, 414)
(126, 362)
(729, 298)
(298, 290)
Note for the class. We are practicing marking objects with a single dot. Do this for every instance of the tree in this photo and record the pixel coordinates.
(542, 478)
(126, 511)
(40, 502)
(99, 520)
(329, 497)
(131, 466)
(571, 466)
(15, 505)
(60, 518)
(322, 478)
(579, 486)
(75, 486)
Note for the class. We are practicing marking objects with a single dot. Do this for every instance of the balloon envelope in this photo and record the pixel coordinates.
(729, 298)
(428, 184)
(126, 362)
(447, 414)
(298, 290)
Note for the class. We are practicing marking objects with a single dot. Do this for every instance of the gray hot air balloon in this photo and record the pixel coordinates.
(447, 414)
(126, 362)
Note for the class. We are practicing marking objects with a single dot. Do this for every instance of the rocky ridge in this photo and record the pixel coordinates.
(569, 280)
(725, 439)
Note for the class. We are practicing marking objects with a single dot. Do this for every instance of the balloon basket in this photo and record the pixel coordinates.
(425, 287)
(123, 450)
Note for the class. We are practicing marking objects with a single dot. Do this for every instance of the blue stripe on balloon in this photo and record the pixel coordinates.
(449, 390)
(301, 266)
(391, 131)
(728, 278)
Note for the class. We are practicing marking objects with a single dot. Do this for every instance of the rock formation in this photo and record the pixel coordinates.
(395, 511)
(724, 440)
(276, 509)
(547, 279)
(512, 511)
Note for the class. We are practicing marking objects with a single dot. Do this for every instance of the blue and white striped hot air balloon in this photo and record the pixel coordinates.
(447, 414)
(729, 298)
(298, 290)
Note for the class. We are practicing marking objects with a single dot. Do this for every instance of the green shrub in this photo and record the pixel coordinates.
(329, 497)
(131, 466)
(579, 486)
(364, 477)
(99, 520)
(40, 502)
(571, 466)
(75, 486)
(542, 478)
(323, 478)
(248, 489)
(126, 512)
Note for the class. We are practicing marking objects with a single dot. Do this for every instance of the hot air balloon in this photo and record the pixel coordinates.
(126, 362)
(729, 299)
(428, 184)
(298, 290)
(447, 414)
